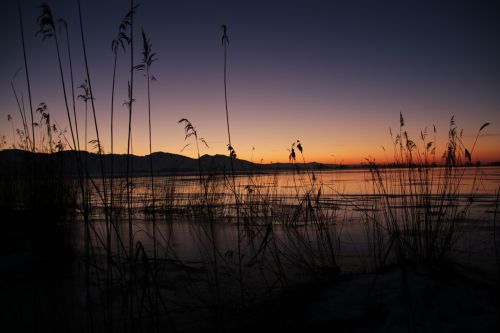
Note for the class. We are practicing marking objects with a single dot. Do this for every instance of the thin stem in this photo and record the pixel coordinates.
(33, 146)
(99, 149)
(225, 42)
(129, 144)
(112, 114)
(23, 116)
(151, 164)
(64, 91)
(72, 87)
(86, 122)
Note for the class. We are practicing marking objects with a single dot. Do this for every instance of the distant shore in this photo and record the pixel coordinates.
(14, 161)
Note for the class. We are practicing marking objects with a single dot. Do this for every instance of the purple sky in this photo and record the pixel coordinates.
(334, 74)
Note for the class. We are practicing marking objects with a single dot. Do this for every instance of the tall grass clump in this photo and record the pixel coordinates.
(206, 204)
(47, 31)
(310, 224)
(190, 131)
(420, 209)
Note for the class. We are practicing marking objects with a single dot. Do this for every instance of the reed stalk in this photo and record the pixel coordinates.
(48, 30)
(418, 198)
(33, 142)
(496, 240)
(22, 113)
(104, 197)
(65, 25)
(147, 60)
(232, 155)
(129, 166)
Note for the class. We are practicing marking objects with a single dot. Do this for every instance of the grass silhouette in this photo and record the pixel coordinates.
(33, 142)
(246, 237)
(148, 57)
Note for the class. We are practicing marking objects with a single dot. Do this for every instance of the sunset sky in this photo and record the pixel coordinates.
(334, 74)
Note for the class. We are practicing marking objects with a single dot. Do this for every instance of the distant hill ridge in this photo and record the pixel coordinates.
(12, 160)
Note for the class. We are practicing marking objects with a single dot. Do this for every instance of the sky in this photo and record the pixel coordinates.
(333, 74)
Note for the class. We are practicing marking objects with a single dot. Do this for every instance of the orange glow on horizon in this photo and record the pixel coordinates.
(486, 151)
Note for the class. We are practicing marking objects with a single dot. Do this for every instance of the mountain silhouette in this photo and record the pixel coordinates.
(14, 161)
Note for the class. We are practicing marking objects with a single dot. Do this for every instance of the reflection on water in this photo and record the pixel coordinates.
(346, 201)
(201, 245)
(354, 190)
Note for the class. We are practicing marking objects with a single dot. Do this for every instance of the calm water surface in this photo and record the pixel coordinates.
(348, 200)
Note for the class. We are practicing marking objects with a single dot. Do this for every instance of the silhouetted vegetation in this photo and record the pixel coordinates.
(213, 239)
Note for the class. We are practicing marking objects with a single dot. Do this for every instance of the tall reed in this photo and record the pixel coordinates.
(48, 30)
(120, 41)
(85, 97)
(496, 238)
(190, 131)
(64, 24)
(33, 142)
(129, 161)
(232, 155)
(104, 196)
(129, 135)
(148, 57)
(25, 139)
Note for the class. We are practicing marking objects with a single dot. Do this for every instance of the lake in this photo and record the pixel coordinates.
(197, 252)
(346, 203)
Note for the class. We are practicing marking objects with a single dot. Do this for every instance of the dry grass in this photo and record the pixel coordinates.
(158, 251)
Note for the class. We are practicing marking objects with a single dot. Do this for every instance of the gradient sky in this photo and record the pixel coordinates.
(334, 74)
